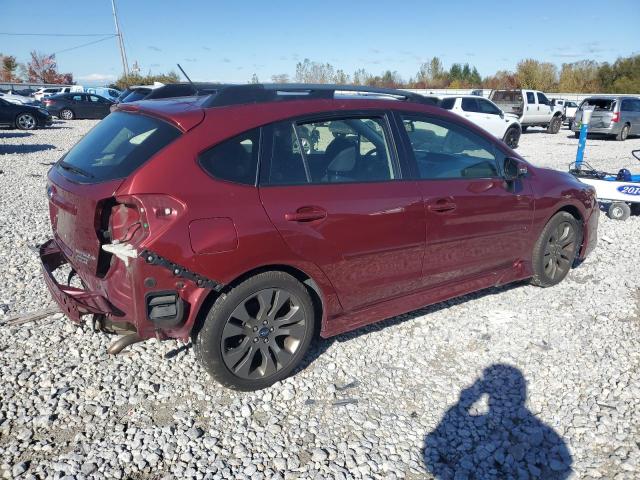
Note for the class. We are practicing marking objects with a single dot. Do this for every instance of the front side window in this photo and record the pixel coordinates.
(234, 160)
(332, 151)
(77, 98)
(444, 150)
(542, 99)
(470, 105)
(487, 107)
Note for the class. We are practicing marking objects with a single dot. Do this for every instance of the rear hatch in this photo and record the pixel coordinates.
(603, 111)
(83, 184)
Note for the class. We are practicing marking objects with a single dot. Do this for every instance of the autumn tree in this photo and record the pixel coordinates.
(501, 79)
(579, 77)
(42, 68)
(536, 75)
(8, 68)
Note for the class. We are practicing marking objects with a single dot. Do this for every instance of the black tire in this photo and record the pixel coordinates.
(512, 137)
(241, 329)
(619, 211)
(576, 134)
(554, 125)
(556, 250)
(26, 121)
(67, 114)
(524, 128)
(623, 133)
(570, 125)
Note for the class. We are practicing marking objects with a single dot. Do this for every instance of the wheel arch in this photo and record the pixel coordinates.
(318, 297)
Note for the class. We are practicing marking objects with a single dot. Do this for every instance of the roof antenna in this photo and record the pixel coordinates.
(187, 77)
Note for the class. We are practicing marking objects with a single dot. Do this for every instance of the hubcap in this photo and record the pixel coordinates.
(66, 114)
(263, 333)
(26, 121)
(617, 212)
(559, 250)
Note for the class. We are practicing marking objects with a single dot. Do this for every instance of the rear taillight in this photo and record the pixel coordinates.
(615, 118)
(137, 218)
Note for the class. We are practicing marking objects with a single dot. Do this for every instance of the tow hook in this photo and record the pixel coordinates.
(122, 343)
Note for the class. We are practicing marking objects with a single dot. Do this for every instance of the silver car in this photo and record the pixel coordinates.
(616, 116)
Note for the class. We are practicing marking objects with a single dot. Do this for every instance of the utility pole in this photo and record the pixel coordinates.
(123, 53)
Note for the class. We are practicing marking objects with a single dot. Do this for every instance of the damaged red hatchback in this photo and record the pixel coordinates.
(250, 218)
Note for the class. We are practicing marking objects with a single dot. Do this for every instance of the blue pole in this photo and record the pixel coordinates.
(582, 142)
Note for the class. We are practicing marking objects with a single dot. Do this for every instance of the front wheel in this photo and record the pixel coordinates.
(257, 333)
(556, 249)
(67, 114)
(512, 137)
(26, 121)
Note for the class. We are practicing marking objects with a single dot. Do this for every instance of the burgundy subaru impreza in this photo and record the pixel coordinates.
(250, 219)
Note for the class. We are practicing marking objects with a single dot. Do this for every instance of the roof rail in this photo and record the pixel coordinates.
(274, 92)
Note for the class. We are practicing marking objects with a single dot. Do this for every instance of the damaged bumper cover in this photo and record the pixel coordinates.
(73, 302)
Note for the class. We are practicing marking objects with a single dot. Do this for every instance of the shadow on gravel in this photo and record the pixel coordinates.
(505, 441)
(15, 134)
(7, 149)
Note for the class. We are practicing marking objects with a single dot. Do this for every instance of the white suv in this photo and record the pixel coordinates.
(46, 92)
(487, 115)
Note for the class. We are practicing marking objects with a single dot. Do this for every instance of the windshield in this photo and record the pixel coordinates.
(117, 146)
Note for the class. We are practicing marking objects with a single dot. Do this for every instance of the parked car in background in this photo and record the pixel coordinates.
(532, 108)
(18, 99)
(487, 115)
(71, 88)
(24, 117)
(78, 105)
(169, 90)
(136, 92)
(614, 116)
(46, 92)
(209, 219)
(108, 93)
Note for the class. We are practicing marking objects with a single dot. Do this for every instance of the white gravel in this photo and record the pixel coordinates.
(413, 397)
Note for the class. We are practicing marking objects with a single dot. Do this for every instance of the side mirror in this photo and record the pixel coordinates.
(514, 169)
(501, 114)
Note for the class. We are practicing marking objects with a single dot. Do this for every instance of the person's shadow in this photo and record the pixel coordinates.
(506, 441)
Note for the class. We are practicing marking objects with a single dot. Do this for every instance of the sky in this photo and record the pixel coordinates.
(228, 41)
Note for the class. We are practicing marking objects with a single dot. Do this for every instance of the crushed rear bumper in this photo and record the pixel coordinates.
(73, 302)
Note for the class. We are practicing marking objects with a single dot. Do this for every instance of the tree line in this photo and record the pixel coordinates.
(585, 76)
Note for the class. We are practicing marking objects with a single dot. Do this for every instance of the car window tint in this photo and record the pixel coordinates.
(530, 97)
(94, 98)
(444, 150)
(542, 99)
(487, 107)
(234, 160)
(77, 98)
(470, 105)
(334, 151)
(448, 103)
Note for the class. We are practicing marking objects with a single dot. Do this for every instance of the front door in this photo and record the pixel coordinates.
(333, 189)
(477, 223)
(99, 106)
(80, 105)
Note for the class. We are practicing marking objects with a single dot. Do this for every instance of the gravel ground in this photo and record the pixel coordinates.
(516, 382)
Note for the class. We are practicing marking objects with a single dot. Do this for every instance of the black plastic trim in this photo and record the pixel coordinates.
(179, 271)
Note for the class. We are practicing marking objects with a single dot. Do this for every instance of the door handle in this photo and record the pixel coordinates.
(306, 214)
(442, 205)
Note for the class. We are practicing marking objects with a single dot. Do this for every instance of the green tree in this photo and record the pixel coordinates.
(536, 75)
(136, 79)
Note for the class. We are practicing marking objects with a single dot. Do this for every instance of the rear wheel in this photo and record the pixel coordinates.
(623, 133)
(26, 121)
(258, 332)
(555, 124)
(619, 211)
(524, 128)
(67, 114)
(556, 249)
(512, 137)
(576, 134)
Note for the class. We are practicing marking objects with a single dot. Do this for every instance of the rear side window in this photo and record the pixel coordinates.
(530, 98)
(448, 103)
(234, 160)
(470, 105)
(117, 146)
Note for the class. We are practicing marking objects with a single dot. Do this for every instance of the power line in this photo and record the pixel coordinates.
(85, 44)
(59, 34)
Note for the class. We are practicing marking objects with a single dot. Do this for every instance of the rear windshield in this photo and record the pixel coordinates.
(116, 147)
(137, 94)
(599, 104)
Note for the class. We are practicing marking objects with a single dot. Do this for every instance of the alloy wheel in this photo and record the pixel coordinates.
(559, 250)
(66, 114)
(263, 333)
(26, 121)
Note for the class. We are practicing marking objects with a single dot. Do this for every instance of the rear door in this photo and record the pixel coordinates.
(530, 115)
(333, 189)
(79, 105)
(476, 222)
(545, 109)
(99, 107)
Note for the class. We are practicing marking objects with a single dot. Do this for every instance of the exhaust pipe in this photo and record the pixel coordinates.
(122, 343)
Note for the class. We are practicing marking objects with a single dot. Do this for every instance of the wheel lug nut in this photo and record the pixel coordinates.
(266, 340)
(271, 329)
(255, 329)
(255, 339)
(265, 322)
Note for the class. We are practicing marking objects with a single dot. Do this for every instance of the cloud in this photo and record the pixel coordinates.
(97, 77)
(190, 59)
(208, 49)
(470, 54)
(155, 65)
(226, 60)
(374, 50)
(154, 48)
